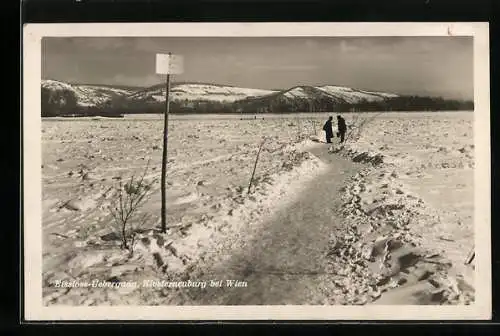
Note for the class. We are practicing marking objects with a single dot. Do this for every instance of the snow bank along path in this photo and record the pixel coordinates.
(412, 215)
(285, 260)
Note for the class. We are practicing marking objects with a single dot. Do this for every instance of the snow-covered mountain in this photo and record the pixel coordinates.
(86, 95)
(354, 96)
(59, 98)
(198, 92)
(335, 94)
(97, 95)
(229, 94)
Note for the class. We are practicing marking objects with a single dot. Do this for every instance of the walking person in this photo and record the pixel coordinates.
(342, 128)
(327, 127)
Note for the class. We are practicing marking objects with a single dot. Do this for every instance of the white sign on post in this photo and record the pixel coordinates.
(167, 64)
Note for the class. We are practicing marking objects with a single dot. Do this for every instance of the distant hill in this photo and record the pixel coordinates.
(336, 94)
(192, 92)
(187, 97)
(306, 98)
(86, 95)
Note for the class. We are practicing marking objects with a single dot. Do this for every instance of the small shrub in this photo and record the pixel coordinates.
(129, 197)
(355, 129)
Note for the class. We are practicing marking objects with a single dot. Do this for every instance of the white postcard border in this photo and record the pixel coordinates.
(33, 306)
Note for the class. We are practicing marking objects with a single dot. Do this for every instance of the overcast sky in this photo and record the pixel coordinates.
(437, 66)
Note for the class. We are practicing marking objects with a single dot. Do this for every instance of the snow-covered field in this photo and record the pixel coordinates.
(426, 170)
(419, 199)
(209, 167)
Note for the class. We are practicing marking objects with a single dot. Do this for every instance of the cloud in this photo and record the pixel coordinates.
(297, 67)
(116, 43)
(346, 47)
(148, 44)
(311, 44)
(101, 43)
(148, 80)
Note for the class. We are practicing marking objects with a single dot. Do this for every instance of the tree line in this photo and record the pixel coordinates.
(64, 102)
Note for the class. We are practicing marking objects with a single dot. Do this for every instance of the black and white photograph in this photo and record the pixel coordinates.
(235, 172)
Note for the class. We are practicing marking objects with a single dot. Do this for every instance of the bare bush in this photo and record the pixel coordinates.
(299, 128)
(129, 197)
(313, 123)
(355, 129)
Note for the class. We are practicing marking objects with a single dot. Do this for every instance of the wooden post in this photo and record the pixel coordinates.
(470, 256)
(164, 159)
(166, 64)
(255, 165)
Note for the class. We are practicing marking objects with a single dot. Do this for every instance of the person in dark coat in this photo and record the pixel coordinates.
(342, 128)
(327, 127)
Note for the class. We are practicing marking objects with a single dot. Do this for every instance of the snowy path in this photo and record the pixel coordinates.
(286, 262)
